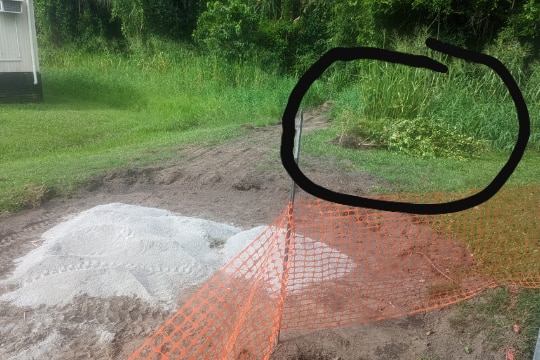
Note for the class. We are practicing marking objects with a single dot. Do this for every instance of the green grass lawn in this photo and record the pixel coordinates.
(109, 111)
(416, 174)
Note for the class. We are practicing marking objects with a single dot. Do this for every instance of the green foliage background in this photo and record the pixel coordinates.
(287, 36)
(292, 30)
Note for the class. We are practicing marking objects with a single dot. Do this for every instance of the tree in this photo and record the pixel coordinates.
(78, 21)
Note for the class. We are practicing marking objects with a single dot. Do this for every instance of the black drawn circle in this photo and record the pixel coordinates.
(349, 54)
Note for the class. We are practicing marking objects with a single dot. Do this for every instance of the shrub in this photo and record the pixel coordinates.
(229, 29)
(426, 138)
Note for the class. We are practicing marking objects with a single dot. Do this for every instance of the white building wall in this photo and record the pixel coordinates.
(16, 40)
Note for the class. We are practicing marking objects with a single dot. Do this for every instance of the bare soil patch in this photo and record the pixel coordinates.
(239, 182)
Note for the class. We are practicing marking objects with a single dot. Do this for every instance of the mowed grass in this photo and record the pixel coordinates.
(408, 174)
(111, 111)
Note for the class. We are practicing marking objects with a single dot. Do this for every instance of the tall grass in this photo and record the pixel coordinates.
(470, 100)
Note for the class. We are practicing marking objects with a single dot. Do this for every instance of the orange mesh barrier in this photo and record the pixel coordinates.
(347, 266)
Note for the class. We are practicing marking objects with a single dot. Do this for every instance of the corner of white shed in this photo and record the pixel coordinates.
(20, 76)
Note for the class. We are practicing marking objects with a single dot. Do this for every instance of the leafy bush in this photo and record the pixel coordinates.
(172, 19)
(311, 37)
(426, 138)
(352, 23)
(91, 24)
(61, 22)
(235, 31)
(229, 29)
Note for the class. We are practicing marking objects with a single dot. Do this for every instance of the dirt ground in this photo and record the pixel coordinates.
(240, 182)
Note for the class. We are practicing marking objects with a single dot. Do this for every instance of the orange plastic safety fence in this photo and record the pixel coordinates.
(347, 266)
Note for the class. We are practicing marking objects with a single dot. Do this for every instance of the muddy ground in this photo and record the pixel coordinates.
(239, 182)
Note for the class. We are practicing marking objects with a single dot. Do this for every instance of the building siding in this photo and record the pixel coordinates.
(16, 67)
(15, 53)
(10, 42)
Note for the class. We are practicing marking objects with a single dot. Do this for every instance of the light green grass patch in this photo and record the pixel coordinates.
(102, 111)
(417, 174)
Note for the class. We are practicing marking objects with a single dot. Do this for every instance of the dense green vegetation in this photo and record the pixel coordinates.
(408, 110)
(422, 113)
(292, 30)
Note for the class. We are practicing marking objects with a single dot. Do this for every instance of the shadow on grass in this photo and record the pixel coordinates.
(83, 91)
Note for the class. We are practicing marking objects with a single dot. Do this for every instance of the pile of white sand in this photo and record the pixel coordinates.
(309, 261)
(119, 249)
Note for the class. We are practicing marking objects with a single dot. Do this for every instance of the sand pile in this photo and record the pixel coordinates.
(310, 261)
(119, 249)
